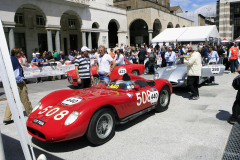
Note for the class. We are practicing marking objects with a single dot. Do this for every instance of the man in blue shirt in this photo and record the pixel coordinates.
(170, 57)
(22, 88)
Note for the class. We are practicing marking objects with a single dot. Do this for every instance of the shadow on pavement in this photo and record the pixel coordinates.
(64, 146)
(181, 91)
(13, 150)
(72, 87)
(223, 115)
(139, 119)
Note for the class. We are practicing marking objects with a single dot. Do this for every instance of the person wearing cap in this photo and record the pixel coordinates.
(194, 71)
(170, 56)
(83, 69)
(119, 58)
(104, 62)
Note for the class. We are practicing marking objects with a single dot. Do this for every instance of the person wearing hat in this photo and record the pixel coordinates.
(194, 71)
(83, 69)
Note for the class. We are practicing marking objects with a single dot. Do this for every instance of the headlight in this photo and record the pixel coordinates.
(156, 76)
(71, 118)
(36, 107)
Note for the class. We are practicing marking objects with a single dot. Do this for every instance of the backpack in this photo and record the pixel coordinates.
(236, 83)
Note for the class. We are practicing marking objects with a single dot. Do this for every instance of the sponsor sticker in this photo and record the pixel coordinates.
(129, 95)
(72, 101)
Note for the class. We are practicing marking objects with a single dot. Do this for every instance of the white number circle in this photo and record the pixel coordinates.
(122, 71)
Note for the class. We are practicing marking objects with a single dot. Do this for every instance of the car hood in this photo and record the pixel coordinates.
(173, 73)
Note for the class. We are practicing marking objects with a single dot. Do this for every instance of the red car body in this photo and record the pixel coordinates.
(47, 122)
(129, 68)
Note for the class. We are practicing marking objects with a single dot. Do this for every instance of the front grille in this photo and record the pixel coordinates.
(36, 133)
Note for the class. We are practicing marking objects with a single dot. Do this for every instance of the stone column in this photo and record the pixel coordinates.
(57, 41)
(150, 35)
(84, 39)
(90, 40)
(11, 39)
(49, 40)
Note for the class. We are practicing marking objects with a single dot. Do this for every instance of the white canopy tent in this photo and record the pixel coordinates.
(187, 34)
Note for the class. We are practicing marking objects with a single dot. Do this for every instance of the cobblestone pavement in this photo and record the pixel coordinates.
(188, 130)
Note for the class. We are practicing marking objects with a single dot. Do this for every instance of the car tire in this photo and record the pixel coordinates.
(163, 99)
(102, 121)
(135, 72)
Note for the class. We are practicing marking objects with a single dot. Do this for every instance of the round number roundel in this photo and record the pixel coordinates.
(122, 71)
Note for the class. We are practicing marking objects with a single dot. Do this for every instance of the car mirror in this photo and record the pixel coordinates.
(137, 87)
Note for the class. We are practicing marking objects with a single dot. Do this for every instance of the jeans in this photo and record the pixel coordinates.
(85, 83)
(104, 78)
(192, 83)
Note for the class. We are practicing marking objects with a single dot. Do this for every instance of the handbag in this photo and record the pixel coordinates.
(236, 83)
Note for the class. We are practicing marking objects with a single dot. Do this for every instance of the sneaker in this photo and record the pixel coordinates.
(8, 122)
(232, 120)
(194, 98)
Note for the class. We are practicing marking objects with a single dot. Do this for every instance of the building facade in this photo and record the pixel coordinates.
(65, 25)
(147, 18)
(228, 19)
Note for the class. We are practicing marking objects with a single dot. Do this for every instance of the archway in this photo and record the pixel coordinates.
(29, 32)
(183, 26)
(157, 27)
(71, 37)
(139, 32)
(177, 26)
(170, 25)
(113, 27)
(95, 35)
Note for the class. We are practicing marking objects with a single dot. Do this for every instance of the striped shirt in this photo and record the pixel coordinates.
(83, 67)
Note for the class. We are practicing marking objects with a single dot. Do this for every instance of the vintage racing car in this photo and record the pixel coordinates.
(118, 71)
(177, 74)
(68, 114)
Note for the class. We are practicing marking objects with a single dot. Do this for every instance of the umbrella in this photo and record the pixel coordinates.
(238, 40)
(224, 40)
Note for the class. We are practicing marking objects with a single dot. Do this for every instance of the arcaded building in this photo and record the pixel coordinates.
(147, 18)
(62, 24)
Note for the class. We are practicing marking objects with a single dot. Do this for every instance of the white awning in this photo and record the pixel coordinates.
(187, 34)
(169, 35)
(201, 33)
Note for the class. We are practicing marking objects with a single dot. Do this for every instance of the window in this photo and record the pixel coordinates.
(72, 23)
(18, 18)
(40, 20)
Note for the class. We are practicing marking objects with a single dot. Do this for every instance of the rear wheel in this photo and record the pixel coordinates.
(101, 127)
(163, 99)
(135, 72)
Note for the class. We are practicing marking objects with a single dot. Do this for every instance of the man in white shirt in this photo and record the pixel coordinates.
(104, 63)
(119, 58)
(170, 57)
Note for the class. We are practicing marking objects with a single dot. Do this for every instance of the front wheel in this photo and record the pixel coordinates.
(101, 127)
(163, 99)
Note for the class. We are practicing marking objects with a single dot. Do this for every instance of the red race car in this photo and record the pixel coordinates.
(118, 71)
(67, 114)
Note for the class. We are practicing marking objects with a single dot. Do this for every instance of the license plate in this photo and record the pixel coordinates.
(39, 122)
